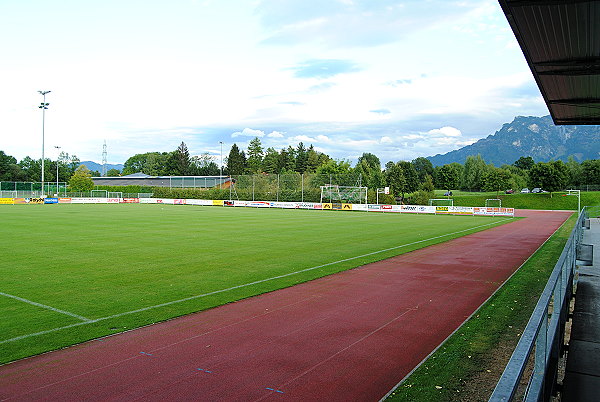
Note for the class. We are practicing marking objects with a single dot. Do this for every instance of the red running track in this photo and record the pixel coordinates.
(349, 336)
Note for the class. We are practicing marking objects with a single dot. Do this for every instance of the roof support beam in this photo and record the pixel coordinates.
(529, 3)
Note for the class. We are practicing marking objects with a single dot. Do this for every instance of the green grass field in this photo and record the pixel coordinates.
(95, 270)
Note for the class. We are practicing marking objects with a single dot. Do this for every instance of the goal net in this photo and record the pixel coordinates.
(99, 194)
(446, 202)
(116, 194)
(348, 194)
(493, 202)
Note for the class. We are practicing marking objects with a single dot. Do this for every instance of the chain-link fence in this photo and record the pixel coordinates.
(12, 189)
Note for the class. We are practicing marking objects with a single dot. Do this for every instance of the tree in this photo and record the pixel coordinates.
(394, 177)
(271, 161)
(524, 163)
(475, 169)
(204, 165)
(550, 176)
(496, 179)
(236, 161)
(9, 169)
(182, 160)
(81, 179)
(301, 158)
(113, 173)
(134, 164)
(425, 192)
(575, 172)
(286, 162)
(448, 177)
(255, 156)
(411, 176)
(591, 171)
(423, 167)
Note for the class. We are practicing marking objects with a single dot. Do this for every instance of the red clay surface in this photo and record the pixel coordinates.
(349, 336)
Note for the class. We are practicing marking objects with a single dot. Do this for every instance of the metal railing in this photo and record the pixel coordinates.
(543, 337)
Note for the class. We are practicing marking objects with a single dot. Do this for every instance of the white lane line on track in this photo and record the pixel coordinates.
(45, 306)
(89, 321)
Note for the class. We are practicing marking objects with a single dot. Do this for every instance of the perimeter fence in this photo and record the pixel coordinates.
(542, 341)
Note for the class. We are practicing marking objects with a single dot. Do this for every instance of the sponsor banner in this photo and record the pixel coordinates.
(130, 200)
(7, 201)
(308, 205)
(386, 207)
(64, 200)
(229, 203)
(151, 201)
(418, 209)
(347, 207)
(374, 207)
(336, 205)
(360, 207)
(461, 210)
(179, 202)
(34, 200)
(50, 200)
(200, 202)
(494, 211)
(217, 202)
(442, 210)
(259, 204)
(285, 205)
(238, 203)
(113, 200)
(396, 208)
(327, 205)
(20, 201)
(84, 200)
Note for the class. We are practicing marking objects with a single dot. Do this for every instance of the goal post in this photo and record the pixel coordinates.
(493, 202)
(116, 194)
(347, 194)
(446, 202)
(99, 193)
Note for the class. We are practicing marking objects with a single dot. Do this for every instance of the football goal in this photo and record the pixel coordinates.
(348, 194)
(445, 202)
(493, 202)
(99, 194)
(116, 194)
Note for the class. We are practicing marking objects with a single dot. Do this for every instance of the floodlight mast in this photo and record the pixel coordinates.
(58, 150)
(221, 167)
(43, 106)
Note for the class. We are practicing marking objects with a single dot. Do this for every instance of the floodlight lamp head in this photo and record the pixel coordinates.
(44, 92)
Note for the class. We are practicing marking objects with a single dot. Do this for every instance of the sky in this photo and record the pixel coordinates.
(400, 79)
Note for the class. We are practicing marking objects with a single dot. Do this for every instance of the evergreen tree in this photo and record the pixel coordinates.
(271, 161)
(236, 161)
(182, 160)
(255, 156)
(301, 158)
(423, 167)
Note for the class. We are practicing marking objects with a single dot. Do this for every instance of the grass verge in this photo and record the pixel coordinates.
(468, 365)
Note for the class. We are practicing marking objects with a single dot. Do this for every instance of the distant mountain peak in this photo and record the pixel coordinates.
(93, 166)
(533, 136)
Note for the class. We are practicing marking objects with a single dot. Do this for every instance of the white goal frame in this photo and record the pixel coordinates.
(103, 192)
(347, 194)
(431, 200)
(493, 206)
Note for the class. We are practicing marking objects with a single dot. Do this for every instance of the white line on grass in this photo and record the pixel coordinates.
(243, 285)
(44, 306)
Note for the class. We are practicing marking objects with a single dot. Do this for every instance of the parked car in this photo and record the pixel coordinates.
(536, 190)
(524, 190)
(448, 194)
(509, 191)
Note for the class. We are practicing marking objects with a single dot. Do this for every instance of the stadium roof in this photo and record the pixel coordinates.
(561, 43)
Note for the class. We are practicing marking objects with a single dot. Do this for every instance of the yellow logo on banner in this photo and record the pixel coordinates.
(347, 207)
(7, 201)
(327, 206)
(218, 203)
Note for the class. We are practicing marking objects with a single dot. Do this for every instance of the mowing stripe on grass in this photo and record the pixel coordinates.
(46, 307)
(90, 321)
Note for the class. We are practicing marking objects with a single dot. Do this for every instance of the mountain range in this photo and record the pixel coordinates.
(531, 136)
(93, 166)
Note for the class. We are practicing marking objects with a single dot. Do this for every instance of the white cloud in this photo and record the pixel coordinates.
(386, 140)
(275, 134)
(445, 132)
(248, 132)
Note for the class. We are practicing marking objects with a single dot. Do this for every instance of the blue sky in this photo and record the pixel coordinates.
(400, 79)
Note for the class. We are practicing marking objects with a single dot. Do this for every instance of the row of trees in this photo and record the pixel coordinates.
(30, 170)
(403, 177)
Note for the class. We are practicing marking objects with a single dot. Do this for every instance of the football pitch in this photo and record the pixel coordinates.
(71, 273)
